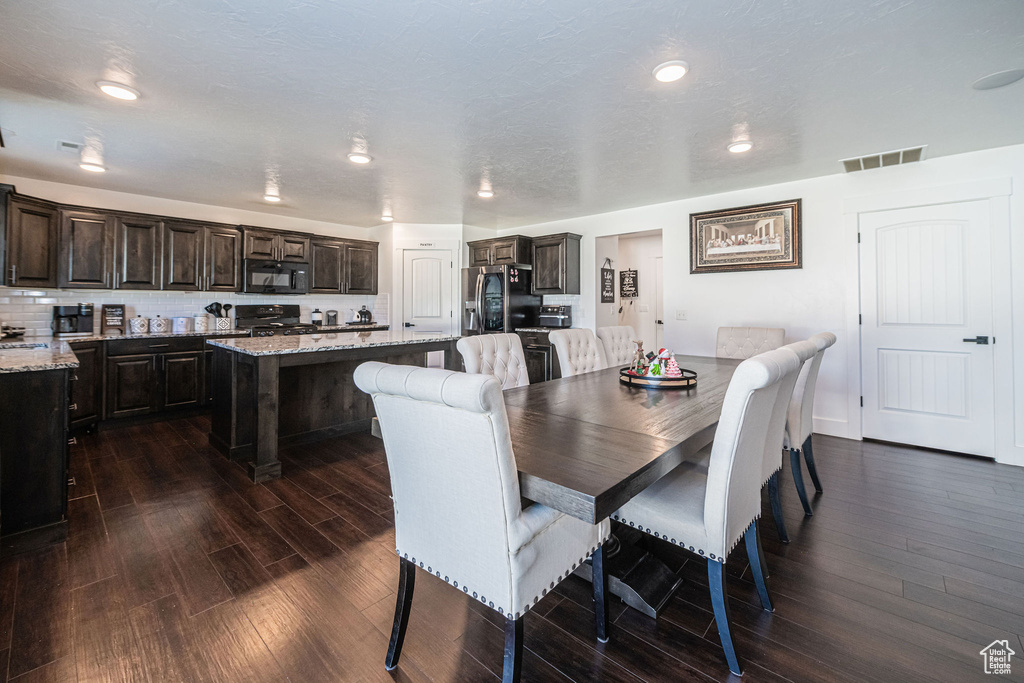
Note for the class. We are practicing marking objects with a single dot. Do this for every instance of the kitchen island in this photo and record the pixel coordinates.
(285, 389)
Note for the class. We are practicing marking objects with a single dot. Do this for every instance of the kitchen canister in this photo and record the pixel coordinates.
(159, 325)
(201, 323)
(138, 325)
(223, 324)
(181, 325)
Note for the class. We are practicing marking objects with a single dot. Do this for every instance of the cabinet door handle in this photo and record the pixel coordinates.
(73, 407)
(158, 346)
(73, 441)
(74, 378)
(14, 274)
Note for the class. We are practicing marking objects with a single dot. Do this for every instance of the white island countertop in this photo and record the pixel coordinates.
(328, 341)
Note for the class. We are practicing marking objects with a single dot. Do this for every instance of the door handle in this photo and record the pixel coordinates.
(660, 322)
(409, 325)
(977, 340)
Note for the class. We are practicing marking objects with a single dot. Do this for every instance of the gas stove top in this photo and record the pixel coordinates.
(271, 320)
(272, 329)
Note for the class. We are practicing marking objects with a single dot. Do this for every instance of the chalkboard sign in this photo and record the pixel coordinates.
(628, 284)
(113, 318)
(607, 286)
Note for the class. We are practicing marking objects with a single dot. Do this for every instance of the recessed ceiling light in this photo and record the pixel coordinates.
(359, 158)
(94, 168)
(118, 90)
(271, 198)
(740, 146)
(386, 218)
(485, 194)
(998, 79)
(671, 71)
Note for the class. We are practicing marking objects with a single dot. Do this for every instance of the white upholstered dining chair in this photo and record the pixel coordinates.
(745, 342)
(617, 342)
(800, 423)
(498, 355)
(578, 351)
(458, 513)
(708, 513)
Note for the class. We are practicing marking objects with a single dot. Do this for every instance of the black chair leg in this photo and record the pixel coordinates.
(406, 583)
(512, 669)
(600, 578)
(720, 601)
(811, 469)
(773, 496)
(758, 566)
(798, 479)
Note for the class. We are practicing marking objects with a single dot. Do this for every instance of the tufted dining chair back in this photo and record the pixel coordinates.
(617, 343)
(746, 342)
(800, 421)
(804, 352)
(498, 355)
(578, 351)
(733, 496)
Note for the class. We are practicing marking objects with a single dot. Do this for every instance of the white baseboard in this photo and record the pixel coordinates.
(830, 427)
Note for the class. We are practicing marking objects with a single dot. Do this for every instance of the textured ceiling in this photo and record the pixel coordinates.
(553, 99)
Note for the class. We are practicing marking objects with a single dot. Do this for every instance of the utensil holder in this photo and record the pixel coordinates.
(223, 324)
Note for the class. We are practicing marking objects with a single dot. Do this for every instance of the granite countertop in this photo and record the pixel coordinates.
(34, 356)
(354, 328)
(76, 338)
(544, 330)
(329, 341)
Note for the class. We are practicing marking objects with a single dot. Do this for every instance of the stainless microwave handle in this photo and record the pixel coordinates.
(480, 301)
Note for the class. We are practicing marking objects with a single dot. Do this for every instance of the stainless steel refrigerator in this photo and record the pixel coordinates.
(498, 299)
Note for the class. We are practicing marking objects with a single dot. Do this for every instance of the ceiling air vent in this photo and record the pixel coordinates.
(893, 158)
(68, 146)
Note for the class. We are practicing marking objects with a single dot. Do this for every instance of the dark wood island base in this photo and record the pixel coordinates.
(275, 390)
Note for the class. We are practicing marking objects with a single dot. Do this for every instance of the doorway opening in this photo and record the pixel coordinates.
(645, 313)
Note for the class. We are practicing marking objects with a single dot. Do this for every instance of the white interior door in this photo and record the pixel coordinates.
(427, 285)
(926, 289)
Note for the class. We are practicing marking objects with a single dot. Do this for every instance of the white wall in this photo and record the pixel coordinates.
(823, 295)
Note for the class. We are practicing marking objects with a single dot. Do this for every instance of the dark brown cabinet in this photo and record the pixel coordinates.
(150, 375)
(223, 257)
(86, 403)
(86, 250)
(138, 252)
(540, 356)
(556, 264)
(326, 266)
(276, 246)
(360, 268)
(183, 256)
(493, 252)
(32, 243)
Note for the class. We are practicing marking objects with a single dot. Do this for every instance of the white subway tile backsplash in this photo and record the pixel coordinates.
(33, 309)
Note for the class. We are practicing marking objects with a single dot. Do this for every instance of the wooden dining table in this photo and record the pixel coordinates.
(585, 445)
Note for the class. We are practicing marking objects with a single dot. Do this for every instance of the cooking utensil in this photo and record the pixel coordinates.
(212, 308)
(220, 311)
(227, 309)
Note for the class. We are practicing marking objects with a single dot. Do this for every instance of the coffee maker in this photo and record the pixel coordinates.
(72, 319)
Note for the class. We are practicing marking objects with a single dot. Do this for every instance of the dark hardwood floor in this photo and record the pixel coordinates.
(177, 568)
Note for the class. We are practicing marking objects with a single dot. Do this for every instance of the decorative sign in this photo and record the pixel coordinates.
(607, 286)
(629, 283)
(113, 318)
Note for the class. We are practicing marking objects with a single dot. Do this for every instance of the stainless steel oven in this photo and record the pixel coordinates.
(275, 277)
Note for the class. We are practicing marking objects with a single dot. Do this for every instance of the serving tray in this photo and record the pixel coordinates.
(687, 381)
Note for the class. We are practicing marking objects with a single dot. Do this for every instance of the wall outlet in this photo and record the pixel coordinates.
(613, 309)
(680, 315)
(644, 308)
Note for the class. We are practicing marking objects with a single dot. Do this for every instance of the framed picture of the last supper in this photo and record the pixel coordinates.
(761, 237)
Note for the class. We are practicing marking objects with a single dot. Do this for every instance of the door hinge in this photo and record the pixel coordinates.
(860, 318)
(861, 401)
(858, 238)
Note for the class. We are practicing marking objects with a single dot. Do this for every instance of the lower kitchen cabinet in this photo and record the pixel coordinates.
(148, 376)
(33, 452)
(131, 385)
(538, 363)
(182, 383)
(86, 403)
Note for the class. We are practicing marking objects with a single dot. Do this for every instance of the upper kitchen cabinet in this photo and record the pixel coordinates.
(493, 252)
(86, 250)
(223, 257)
(326, 265)
(32, 246)
(360, 268)
(556, 264)
(138, 252)
(276, 246)
(183, 256)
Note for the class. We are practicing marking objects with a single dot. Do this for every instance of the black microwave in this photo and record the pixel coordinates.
(275, 277)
